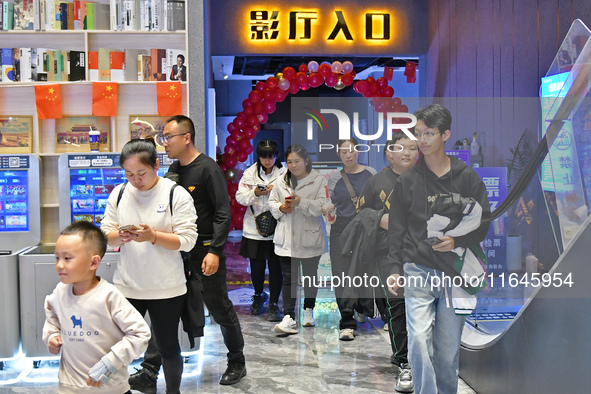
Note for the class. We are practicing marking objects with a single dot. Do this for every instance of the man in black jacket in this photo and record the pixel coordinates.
(206, 183)
(434, 329)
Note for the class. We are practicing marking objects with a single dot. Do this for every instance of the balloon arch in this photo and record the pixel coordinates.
(262, 101)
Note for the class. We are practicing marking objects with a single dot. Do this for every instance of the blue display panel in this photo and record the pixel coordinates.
(92, 178)
(14, 194)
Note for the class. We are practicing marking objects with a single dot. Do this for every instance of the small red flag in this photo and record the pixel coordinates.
(411, 72)
(49, 101)
(104, 98)
(169, 96)
(388, 73)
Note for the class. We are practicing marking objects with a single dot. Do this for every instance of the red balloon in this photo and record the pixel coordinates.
(260, 86)
(324, 70)
(396, 101)
(389, 91)
(279, 95)
(230, 161)
(239, 122)
(294, 88)
(249, 133)
(374, 87)
(259, 108)
(305, 86)
(255, 96)
(248, 111)
(238, 221)
(347, 79)
(301, 78)
(232, 188)
(353, 73)
(231, 127)
(303, 68)
(269, 106)
(243, 145)
(242, 156)
(272, 82)
(241, 209)
(230, 149)
(246, 103)
(315, 80)
(363, 87)
(370, 80)
(331, 80)
(289, 73)
(249, 150)
(268, 94)
(382, 82)
(242, 114)
(252, 120)
(223, 167)
(231, 141)
(403, 108)
(263, 118)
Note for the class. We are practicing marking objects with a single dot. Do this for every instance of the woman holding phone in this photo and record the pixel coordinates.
(253, 192)
(296, 202)
(151, 233)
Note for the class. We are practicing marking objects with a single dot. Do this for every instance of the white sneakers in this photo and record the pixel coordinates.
(404, 383)
(308, 318)
(287, 326)
(347, 334)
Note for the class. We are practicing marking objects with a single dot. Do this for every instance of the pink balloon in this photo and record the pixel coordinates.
(347, 67)
(284, 84)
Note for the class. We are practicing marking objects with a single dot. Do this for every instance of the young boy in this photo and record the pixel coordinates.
(434, 329)
(401, 153)
(98, 331)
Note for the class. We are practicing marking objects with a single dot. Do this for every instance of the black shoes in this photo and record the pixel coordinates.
(234, 373)
(257, 303)
(273, 313)
(143, 380)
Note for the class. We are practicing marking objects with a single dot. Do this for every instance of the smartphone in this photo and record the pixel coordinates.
(262, 187)
(433, 241)
(129, 227)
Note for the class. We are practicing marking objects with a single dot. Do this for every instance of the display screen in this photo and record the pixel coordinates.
(14, 200)
(90, 189)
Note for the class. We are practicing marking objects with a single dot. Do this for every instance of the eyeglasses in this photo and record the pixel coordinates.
(427, 135)
(166, 138)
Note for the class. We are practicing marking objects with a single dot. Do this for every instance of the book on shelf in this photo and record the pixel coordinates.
(93, 68)
(38, 72)
(7, 66)
(101, 17)
(158, 61)
(16, 65)
(176, 65)
(25, 64)
(64, 65)
(144, 68)
(77, 66)
(104, 64)
(117, 65)
(39, 14)
(24, 15)
(1, 15)
(176, 15)
(132, 15)
(57, 20)
(7, 15)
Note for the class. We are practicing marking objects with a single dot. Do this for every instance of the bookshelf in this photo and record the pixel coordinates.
(134, 97)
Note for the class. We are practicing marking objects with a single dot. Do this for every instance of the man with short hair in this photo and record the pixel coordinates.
(434, 328)
(206, 183)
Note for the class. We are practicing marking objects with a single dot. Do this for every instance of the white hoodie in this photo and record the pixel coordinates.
(300, 233)
(245, 196)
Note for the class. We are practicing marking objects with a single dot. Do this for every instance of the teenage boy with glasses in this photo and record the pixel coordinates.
(434, 329)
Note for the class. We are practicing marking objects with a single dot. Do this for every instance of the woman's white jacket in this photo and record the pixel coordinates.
(300, 233)
(245, 196)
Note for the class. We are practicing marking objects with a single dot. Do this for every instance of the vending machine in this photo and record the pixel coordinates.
(20, 228)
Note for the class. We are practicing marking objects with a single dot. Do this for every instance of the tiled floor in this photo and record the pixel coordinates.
(312, 361)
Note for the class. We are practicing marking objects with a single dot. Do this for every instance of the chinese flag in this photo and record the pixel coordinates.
(104, 98)
(410, 71)
(388, 73)
(49, 101)
(169, 98)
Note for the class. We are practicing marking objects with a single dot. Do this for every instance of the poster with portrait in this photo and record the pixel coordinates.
(71, 133)
(176, 65)
(16, 134)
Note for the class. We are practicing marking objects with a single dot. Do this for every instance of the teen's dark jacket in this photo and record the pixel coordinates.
(409, 207)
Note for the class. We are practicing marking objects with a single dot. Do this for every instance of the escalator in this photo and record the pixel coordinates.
(530, 331)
